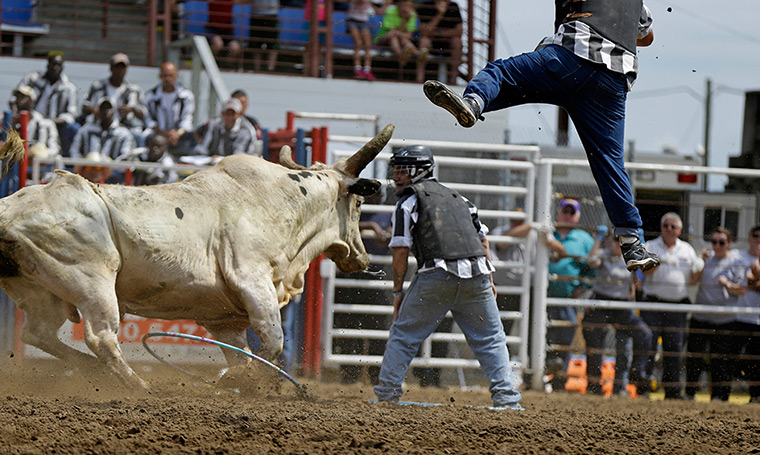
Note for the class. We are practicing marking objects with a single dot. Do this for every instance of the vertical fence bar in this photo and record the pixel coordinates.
(540, 278)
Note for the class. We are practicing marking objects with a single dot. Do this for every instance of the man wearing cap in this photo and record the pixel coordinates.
(570, 247)
(104, 136)
(57, 98)
(124, 95)
(170, 109)
(229, 134)
(40, 131)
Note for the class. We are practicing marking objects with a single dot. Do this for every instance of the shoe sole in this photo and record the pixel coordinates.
(440, 95)
(642, 264)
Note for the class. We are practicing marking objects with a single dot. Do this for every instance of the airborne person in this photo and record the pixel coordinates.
(586, 67)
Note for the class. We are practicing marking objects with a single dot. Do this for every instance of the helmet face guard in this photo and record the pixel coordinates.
(417, 160)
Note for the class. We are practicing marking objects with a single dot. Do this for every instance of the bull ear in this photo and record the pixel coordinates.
(359, 160)
(286, 159)
(364, 187)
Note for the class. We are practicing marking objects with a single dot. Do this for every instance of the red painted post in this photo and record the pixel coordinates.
(290, 121)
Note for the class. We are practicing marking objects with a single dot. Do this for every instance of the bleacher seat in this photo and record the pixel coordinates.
(196, 17)
(294, 29)
(17, 12)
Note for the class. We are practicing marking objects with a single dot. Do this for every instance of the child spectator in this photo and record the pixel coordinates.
(357, 25)
(399, 25)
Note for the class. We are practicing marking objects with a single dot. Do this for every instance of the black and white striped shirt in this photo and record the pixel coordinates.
(587, 44)
(57, 100)
(170, 111)
(127, 94)
(41, 130)
(219, 140)
(112, 143)
(403, 221)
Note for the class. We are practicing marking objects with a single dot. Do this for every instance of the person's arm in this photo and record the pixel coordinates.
(400, 265)
(487, 247)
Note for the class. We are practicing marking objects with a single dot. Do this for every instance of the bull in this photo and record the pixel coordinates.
(226, 247)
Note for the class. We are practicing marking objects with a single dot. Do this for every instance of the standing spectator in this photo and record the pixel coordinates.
(358, 26)
(441, 33)
(57, 98)
(229, 134)
(570, 247)
(220, 28)
(125, 96)
(614, 282)
(399, 26)
(157, 151)
(721, 282)
(265, 33)
(586, 68)
(453, 274)
(40, 131)
(170, 109)
(746, 330)
(679, 266)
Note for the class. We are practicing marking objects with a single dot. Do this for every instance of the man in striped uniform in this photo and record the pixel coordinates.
(586, 67)
(230, 134)
(453, 274)
(40, 131)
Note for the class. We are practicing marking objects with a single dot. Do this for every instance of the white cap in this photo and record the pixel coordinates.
(234, 104)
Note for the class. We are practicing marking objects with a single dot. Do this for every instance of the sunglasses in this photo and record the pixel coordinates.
(718, 242)
(670, 226)
(756, 236)
(568, 210)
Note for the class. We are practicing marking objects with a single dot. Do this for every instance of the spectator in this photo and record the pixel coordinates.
(57, 98)
(746, 329)
(104, 136)
(243, 97)
(220, 29)
(441, 33)
(614, 282)
(124, 95)
(399, 26)
(40, 131)
(170, 109)
(358, 26)
(570, 247)
(157, 151)
(721, 282)
(679, 266)
(510, 252)
(454, 274)
(265, 33)
(229, 134)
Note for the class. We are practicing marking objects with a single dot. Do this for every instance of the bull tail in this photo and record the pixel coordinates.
(11, 152)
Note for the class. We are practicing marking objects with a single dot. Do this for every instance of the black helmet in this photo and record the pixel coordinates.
(417, 158)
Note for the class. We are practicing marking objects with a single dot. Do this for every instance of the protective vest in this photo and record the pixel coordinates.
(444, 227)
(616, 20)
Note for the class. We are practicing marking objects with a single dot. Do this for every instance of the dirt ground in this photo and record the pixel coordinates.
(45, 409)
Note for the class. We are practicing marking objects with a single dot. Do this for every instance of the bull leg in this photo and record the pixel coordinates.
(101, 325)
(43, 319)
(233, 337)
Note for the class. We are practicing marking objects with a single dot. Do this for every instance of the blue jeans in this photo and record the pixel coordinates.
(471, 301)
(594, 98)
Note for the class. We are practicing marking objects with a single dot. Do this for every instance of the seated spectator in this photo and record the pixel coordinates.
(397, 30)
(170, 109)
(441, 33)
(41, 132)
(614, 282)
(125, 96)
(243, 97)
(358, 27)
(264, 33)
(104, 136)
(229, 134)
(56, 98)
(220, 28)
(157, 151)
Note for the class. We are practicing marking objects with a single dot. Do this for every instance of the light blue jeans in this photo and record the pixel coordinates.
(472, 303)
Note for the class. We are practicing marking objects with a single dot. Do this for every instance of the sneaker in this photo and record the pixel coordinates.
(465, 110)
(637, 257)
(423, 56)
(359, 74)
(406, 54)
(369, 76)
(506, 407)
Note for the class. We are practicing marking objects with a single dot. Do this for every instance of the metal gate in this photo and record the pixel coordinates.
(358, 308)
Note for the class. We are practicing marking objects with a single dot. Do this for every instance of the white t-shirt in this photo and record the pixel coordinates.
(669, 281)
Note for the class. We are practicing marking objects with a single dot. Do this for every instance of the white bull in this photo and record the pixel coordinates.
(226, 247)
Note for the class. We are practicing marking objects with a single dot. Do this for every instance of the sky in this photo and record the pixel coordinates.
(695, 40)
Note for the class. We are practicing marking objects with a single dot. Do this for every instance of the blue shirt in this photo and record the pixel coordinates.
(577, 243)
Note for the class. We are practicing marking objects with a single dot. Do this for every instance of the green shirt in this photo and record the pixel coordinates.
(392, 21)
(577, 243)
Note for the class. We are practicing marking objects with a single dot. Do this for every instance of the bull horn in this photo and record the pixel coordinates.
(362, 158)
(286, 159)
(11, 152)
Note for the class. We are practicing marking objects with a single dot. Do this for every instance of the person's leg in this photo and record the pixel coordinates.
(722, 345)
(358, 41)
(455, 58)
(423, 308)
(560, 339)
(673, 340)
(594, 330)
(696, 346)
(653, 320)
(476, 313)
(641, 336)
(752, 349)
